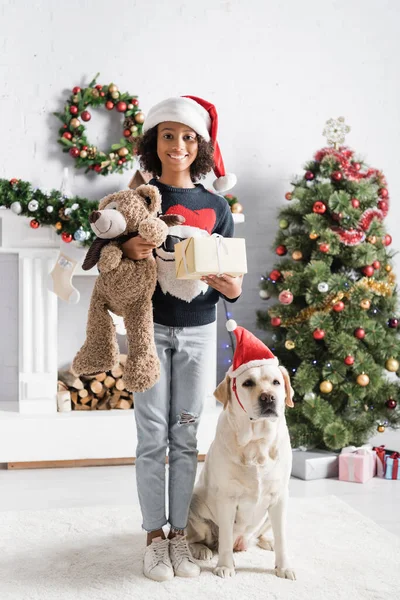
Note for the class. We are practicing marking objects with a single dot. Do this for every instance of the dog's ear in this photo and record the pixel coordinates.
(288, 388)
(223, 391)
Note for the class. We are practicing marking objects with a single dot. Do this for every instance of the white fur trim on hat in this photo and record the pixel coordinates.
(225, 183)
(253, 363)
(180, 110)
(231, 325)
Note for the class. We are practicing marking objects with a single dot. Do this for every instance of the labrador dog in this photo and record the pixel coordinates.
(243, 487)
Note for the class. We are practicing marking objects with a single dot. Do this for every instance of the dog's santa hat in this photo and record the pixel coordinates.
(249, 352)
(202, 117)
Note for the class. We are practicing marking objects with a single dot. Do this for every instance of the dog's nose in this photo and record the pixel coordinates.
(94, 216)
(267, 398)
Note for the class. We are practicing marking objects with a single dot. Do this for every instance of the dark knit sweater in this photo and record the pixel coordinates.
(172, 311)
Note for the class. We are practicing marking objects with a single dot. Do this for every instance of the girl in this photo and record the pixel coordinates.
(178, 147)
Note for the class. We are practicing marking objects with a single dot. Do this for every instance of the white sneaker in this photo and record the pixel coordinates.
(157, 564)
(181, 558)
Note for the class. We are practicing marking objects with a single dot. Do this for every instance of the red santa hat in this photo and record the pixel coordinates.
(250, 351)
(202, 117)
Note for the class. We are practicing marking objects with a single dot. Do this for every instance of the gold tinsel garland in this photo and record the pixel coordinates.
(380, 288)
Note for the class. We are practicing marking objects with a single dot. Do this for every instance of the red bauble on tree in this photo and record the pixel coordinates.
(318, 334)
(127, 133)
(359, 333)
(135, 101)
(382, 205)
(309, 175)
(73, 110)
(391, 403)
(67, 135)
(376, 264)
(368, 270)
(337, 176)
(74, 152)
(275, 275)
(324, 248)
(34, 224)
(319, 207)
(286, 297)
(355, 202)
(86, 116)
(97, 168)
(387, 240)
(383, 193)
(76, 90)
(338, 306)
(349, 360)
(357, 166)
(66, 237)
(109, 105)
(288, 196)
(393, 323)
(281, 250)
(276, 321)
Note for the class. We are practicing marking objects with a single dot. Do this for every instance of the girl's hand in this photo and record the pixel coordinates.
(137, 248)
(229, 286)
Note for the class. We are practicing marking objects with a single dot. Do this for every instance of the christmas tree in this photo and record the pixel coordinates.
(334, 325)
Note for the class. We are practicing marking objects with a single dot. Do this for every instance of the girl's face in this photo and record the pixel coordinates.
(177, 146)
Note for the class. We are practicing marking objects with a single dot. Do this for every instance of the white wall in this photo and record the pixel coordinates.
(275, 70)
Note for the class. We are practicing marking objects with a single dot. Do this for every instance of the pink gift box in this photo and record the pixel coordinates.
(357, 464)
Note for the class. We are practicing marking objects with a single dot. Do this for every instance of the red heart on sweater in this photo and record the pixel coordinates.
(204, 218)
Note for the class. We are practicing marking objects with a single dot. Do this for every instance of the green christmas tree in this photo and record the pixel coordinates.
(334, 325)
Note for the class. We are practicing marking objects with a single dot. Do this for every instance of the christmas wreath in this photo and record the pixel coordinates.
(68, 216)
(73, 134)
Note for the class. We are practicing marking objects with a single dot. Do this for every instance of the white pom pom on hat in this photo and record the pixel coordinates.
(249, 352)
(203, 118)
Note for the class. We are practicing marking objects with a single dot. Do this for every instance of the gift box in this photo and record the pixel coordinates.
(357, 464)
(315, 464)
(392, 470)
(211, 255)
(380, 460)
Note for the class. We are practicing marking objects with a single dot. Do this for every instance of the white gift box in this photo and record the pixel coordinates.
(211, 255)
(315, 464)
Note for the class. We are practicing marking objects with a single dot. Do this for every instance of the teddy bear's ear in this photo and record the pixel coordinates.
(151, 196)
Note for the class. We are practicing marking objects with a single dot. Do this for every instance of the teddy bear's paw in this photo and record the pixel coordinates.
(141, 377)
(89, 362)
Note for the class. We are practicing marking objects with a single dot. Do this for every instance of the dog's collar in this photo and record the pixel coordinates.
(234, 388)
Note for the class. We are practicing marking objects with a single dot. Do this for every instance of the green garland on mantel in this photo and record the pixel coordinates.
(68, 215)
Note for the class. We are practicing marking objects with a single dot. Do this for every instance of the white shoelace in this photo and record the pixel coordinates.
(181, 548)
(160, 552)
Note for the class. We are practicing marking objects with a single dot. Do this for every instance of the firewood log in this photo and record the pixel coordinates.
(70, 380)
(117, 371)
(96, 386)
(109, 382)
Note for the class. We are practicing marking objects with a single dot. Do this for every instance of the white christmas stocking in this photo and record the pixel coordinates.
(60, 278)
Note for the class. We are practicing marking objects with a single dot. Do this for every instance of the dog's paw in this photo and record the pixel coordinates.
(265, 543)
(285, 573)
(224, 572)
(201, 551)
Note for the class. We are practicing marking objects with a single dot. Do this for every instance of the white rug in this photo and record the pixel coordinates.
(95, 554)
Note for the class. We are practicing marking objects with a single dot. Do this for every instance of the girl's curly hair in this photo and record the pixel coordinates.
(149, 161)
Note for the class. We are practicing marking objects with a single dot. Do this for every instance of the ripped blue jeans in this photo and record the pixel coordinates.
(167, 416)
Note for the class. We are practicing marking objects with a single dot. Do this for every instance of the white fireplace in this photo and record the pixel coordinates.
(31, 429)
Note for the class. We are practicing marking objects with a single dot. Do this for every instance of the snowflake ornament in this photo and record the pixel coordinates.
(335, 131)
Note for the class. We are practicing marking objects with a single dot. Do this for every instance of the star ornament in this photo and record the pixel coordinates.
(335, 131)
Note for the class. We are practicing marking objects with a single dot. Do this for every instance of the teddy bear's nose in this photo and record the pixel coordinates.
(94, 216)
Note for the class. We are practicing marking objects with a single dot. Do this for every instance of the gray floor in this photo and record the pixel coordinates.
(88, 486)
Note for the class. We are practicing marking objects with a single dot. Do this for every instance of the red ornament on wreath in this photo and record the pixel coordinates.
(34, 224)
(285, 297)
(387, 240)
(383, 193)
(86, 116)
(276, 321)
(359, 333)
(319, 207)
(349, 360)
(376, 264)
(121, 106)
(318, 334)
(281, 250)
(66, 237)
(309, 175)
(109, 105)
(275, 275)
(67, 135)
(73, 110)
(13, 181)
(76, 90)
(135, 101)
(337, 176)
(74, 152)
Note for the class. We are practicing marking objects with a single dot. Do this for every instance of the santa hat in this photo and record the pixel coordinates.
(250, 351)
(202, 117)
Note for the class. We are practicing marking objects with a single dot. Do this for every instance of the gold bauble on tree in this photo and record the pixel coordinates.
(114, 95)
(313, 235)
(326, 387)
(365, 304)
(371, 239)
(74, 123)
(381, 428)
(363, 380)
(388, 268)
(112, 88)
(392, 365)
(236, 207)
(297, 255)
(123, 151)
(290, 345)
(83, 154)
(58, 226)
(139, 117)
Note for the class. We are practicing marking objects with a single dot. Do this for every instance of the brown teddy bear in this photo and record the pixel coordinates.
(125, 287)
